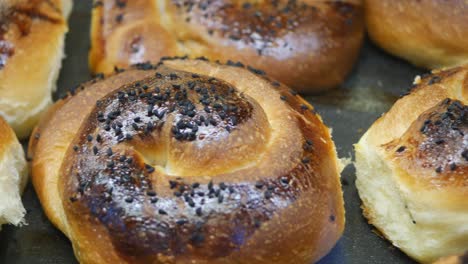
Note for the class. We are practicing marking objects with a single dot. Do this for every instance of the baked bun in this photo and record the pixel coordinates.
(309, 45)
(13, 176)
(412, 168)
(428, 33)
(189, 161)
(454, 260)
(31, 49)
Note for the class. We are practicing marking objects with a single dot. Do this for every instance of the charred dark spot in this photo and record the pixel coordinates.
(118, 185)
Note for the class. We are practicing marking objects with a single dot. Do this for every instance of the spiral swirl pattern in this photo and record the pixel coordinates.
(199, 160)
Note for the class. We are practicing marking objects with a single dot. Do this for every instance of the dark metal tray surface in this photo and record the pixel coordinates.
(376, 82)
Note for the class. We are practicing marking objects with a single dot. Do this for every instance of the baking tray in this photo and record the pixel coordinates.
(376, 82)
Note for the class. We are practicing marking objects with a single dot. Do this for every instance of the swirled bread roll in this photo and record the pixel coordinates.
(412, 168)
(31, 49)
(310, 45)
(13, 176)
(428, 33)
(189, 161)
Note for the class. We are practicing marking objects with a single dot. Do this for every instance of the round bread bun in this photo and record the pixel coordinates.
(412, 168)
(13, 176)
(309, 45)
(189, 161)
(427, 33)
(31, 49)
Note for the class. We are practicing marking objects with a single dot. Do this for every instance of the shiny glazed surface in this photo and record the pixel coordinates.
(189, 160)
(308, 45)
(374, 86)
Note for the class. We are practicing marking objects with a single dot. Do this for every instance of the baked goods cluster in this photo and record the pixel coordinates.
(189, 145)
(31, 47)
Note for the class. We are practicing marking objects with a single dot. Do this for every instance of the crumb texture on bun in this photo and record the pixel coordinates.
(412, 168)
(13, 176)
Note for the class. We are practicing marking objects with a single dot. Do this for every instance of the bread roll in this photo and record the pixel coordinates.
(412, 168)
(428, 33)
(13, 176)
(31, 49)
(310, 45)
(189, 162)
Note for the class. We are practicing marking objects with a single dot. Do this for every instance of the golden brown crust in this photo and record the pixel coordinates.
(428, 33)
(31, 44)
(6, 136)
(425, 133)
(417, 153)
(309, 45)
(265, 188)
(433, 149)
(50, 150)
(454, 260)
